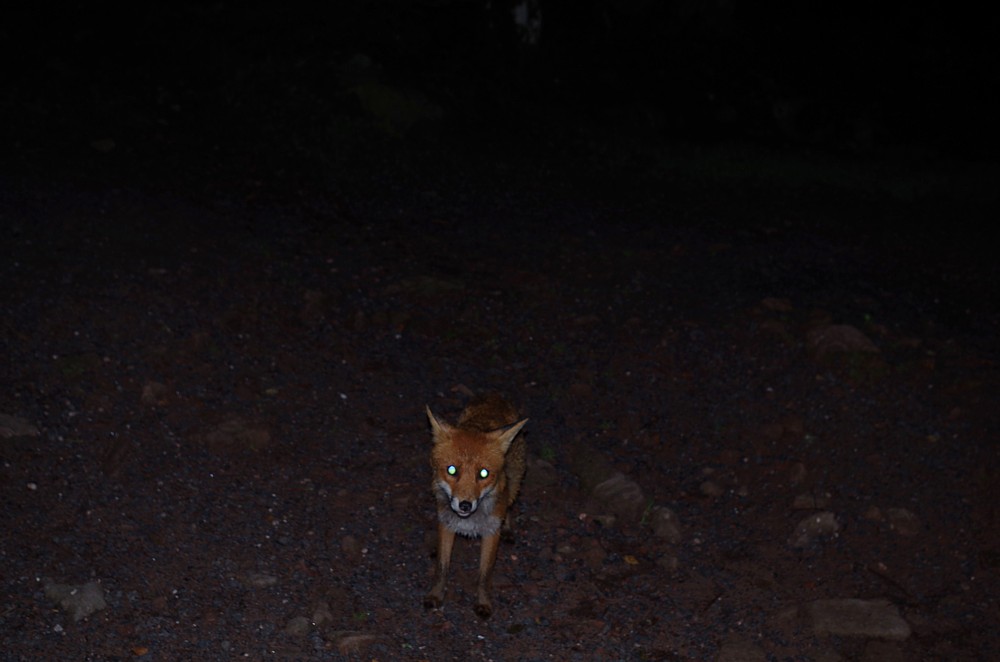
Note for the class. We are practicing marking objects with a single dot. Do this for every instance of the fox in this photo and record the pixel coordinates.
(479, 465)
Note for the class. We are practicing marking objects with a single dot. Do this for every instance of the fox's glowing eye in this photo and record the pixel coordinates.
(483, 473)
(452, 470)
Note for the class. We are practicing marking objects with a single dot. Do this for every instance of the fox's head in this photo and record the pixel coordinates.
(468, 464)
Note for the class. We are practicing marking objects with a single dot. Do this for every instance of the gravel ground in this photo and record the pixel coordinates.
(744, 405)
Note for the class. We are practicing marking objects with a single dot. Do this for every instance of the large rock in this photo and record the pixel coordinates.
(621, 496)
(79, 601)
(876, 619)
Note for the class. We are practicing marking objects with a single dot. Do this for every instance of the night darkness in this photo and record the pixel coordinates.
(730, 259)
(851, 79)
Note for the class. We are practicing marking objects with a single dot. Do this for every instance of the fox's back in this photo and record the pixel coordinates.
(487, 413)
(514, 467)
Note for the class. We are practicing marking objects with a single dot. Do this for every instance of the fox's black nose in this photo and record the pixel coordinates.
(465, 506)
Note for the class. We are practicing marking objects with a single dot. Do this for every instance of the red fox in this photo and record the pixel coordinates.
(478, 467)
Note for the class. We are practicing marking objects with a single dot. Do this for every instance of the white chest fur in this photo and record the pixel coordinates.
(480, 523)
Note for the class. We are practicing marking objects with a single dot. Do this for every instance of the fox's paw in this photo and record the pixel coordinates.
(484, 610)
(432, 601)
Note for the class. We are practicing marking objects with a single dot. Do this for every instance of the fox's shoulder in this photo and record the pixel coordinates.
(487, 413)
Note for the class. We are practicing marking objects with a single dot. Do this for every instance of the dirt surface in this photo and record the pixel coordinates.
(213, 418)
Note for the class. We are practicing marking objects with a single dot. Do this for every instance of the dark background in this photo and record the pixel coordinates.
(173, 79)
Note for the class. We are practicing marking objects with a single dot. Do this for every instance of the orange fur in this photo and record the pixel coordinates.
(478, 468)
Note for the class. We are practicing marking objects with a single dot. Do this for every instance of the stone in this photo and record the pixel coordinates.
(839, 339)
(903, 522)
(261, 580)
(78, 601)
(665, 525)
(322, 614)
(297, 627)
(621, 496)
(13, 426)
(352, 642)
(816, 526)
(851, 617)
(711, 489)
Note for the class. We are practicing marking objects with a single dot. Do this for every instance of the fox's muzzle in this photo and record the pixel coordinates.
(464, 508)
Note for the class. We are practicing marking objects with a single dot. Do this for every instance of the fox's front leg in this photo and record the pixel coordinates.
(487, 559)
(446, 540)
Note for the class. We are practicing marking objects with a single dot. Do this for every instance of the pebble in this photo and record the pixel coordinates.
(839, 338)
(261, 580)
(711, 488)
(322, 614)
(352, 548)
(665, 525)
(351, 642)
(154, 393)
(297, 627)
(13, 426)
(811, 528)
(903, 522)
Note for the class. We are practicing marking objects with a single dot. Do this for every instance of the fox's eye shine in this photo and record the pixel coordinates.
(452, 470)
(483, 473)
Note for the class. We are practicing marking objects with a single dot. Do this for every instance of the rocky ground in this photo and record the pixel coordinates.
(762, 420)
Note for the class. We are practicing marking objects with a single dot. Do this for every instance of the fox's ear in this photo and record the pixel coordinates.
(506, 435)
(438, 428)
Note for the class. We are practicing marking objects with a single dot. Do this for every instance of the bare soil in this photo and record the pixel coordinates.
(229, 388)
